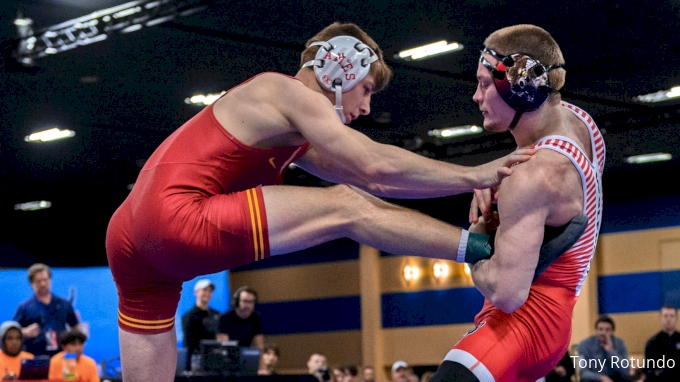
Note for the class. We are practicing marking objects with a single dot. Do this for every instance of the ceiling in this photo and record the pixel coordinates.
(124, 95)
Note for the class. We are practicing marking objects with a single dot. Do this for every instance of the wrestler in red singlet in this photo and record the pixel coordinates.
(526, 344)
(196, 208)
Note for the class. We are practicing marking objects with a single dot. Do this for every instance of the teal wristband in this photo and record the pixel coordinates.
(473, 247)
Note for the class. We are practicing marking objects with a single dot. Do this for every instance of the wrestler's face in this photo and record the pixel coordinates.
(497, 114)
(669, 319)
(12, 342)
(41, 284)
(357, 101)
(246, 305)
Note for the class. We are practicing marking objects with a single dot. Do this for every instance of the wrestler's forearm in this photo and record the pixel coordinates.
(493, 284)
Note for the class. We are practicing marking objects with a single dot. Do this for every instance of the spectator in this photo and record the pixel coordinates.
(11, 355)
(349, 373)
(43, 315)
(563, 371)
(201, 321)
(600, 355)
(317, 365)
(662, 347)
(426, 376)
(73, 341)
(400, 372)
(368, 374)
(338, 374)
(268, 360)
(242, 323)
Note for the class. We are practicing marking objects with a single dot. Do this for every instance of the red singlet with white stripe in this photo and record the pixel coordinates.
(526, 344)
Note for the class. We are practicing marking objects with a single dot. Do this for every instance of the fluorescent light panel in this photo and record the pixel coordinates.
(660, 96)
(429, 50)
(203, 99)
(648, 158)
(453, 132)
(49, 135)
(33, 206)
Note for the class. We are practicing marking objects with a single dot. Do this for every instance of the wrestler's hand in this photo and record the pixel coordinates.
(491, 174)
(482, 201)
(483, 227)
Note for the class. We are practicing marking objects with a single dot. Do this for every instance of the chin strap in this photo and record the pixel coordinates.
(515, 120)
(338, 103)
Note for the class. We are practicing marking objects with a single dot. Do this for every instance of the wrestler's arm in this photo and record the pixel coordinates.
(382, 169)
(318, 165)
(523, 204)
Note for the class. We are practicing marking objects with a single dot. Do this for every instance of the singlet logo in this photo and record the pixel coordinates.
(473, 329)
(271, 162)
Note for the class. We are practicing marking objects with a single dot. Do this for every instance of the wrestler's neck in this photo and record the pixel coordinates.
(308, 78)
(537, 124)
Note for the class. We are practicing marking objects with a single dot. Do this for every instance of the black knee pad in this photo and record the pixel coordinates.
(450, 371)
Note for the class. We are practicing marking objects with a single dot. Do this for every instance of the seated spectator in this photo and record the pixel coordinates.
(11, 355)
(337, 374)
(662, 347)
(349, 373)
(368, 374)
(400, 372)
(563, 371)
(426, 376)
(597, 355)
(317, 365)
(74, 342)
(268, 360)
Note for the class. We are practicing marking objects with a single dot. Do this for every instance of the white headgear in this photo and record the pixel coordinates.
(340, 64)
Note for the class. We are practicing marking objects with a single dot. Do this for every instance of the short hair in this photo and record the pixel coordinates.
(607, 319)
(271, 347)
(72, 336)
(350, 369)
(535, 42)
(379, 69)
(671, 307)
(37, 268)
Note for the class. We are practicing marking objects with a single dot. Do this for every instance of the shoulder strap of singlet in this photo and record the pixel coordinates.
(596, 139)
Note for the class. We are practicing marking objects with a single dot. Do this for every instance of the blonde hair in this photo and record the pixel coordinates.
(535, 42)
(379, 69)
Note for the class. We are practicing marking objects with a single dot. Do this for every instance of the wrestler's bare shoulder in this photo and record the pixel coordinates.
(547, 179)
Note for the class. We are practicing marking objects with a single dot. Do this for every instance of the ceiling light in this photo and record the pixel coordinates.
(660, 96)
(33, 206)
(203, 99)
(49, 135)
(453, 132)
(647, 158)
(429, 50)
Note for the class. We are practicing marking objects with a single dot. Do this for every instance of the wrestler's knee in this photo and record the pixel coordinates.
(353, 205)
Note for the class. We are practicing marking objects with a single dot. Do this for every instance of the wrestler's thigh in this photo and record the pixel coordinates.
(302, 217)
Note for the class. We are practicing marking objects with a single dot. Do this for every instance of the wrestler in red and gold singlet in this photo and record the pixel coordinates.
(196, 208)
(526, 344)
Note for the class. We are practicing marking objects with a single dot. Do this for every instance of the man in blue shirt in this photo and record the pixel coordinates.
(43, 316)
(603, 357)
